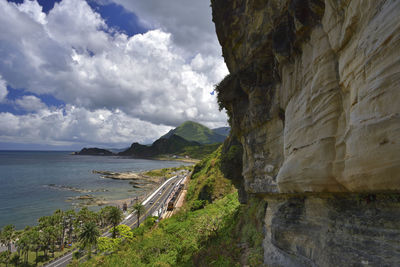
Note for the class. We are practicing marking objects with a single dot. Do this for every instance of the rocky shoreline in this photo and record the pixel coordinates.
(75, 189)
(146, 181)
(136, 180)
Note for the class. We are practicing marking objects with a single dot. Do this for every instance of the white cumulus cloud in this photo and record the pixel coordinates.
(69, 125)
(158, 79)
(30, 103)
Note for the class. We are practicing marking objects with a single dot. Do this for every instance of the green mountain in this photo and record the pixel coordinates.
(194, 131)
(172, 145)
(222, 131)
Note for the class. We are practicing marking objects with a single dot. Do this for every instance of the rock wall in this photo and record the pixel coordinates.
(314, 97)
(332, 230)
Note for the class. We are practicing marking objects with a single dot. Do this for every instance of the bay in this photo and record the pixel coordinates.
(25, 176)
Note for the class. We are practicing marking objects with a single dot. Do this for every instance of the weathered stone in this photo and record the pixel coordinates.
(332, 230)
(314, 97)
(332, 69)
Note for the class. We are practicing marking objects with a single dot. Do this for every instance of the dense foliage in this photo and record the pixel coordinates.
(212, 229)
(199, 152)
(57, 234)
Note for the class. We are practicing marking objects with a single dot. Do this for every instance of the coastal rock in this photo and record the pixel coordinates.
(94, 151)
(313, 97)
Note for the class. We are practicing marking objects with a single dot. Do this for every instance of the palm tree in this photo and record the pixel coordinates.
(60, 219)
(114, 217)
(70, 217)
(49, 236)
(103, 216)
(23, 246)
(85, 216)
(88, 236)
(34, 241)
(7, 236)
(5, 257)
(139, 208)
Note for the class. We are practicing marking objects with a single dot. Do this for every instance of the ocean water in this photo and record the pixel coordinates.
(25, 176)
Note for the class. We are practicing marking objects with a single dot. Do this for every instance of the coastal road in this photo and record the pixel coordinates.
(154, 204)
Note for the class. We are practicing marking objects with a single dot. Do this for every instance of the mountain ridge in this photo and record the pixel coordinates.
(193, 131)
(171, 145)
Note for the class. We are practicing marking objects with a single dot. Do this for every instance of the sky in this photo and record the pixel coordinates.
(105, 73)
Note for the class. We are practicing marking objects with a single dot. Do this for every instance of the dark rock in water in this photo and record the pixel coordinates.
(94, 151)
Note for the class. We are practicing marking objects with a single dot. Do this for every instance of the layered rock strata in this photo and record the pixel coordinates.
(314, 97)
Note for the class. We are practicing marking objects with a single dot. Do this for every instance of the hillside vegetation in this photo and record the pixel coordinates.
(212, 229)
(194, 131)
(161, 146)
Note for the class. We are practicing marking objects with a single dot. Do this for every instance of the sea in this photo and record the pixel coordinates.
(36, 183)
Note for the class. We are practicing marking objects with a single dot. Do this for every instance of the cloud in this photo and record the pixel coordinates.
(69, 125)
(3, 90)
(157, 79)
(34, 10)
(189, 22)
(30, 103)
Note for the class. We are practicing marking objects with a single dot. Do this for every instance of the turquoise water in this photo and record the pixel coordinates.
(25, 175)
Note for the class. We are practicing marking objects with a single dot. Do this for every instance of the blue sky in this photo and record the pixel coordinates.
(105, 73)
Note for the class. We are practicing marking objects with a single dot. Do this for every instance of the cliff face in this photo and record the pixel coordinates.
(313, 96)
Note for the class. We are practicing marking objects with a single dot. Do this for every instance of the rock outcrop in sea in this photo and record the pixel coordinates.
(94, 151)
(313, 97)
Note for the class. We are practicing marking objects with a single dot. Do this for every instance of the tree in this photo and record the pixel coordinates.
(5, 257)
(139, 208)
(60, 220)
(7, 236)
(34, 241)
(70, 216)
(103, 216)
(85, 216)
(124, 231)
(108, 245)
(23, 246)
(49, 237)
(114, 217)
(88, 236)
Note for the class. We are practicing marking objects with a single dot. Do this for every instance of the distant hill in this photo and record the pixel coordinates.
(172, 145)
(193, 131)
(224, 131)
(94, 151)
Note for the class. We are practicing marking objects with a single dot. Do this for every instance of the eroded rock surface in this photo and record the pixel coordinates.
(313, 92)
(333, 230)
(314, 97)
